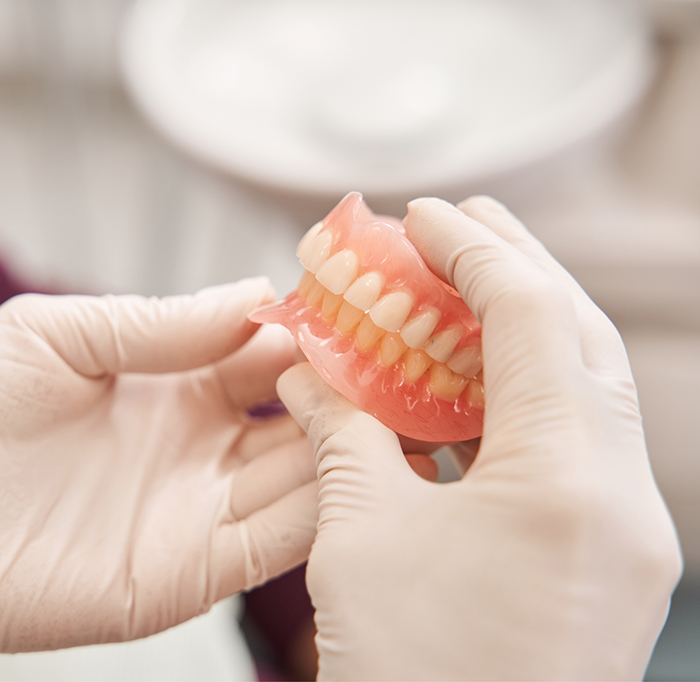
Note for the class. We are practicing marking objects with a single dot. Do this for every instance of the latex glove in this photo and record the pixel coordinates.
(135, 490)
(554, 557)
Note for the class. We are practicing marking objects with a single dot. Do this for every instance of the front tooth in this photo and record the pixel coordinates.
(391, 348)
(440, 346)
(317, 252)
(475, 394)
(444, 383)
(348, 318)
(331, 305)
(466, 361)
(415, 362)
(364, 291)
(307, 239)
(418, 329)
(367, 334)
(391, 311)
(307, 280)
(338, 272)
(316, 294)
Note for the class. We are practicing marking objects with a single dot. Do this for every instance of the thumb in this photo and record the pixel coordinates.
(529, 321)
(357, 457)
(111, 334)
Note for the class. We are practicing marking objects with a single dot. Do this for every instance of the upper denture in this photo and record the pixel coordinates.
(339, 271)
(418, 329)
(308, 238)
(466, 361)
(316, 252)
(391, 310)
(440, 346)
(365, 290)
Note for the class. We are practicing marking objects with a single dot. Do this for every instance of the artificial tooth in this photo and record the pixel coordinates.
(348, 318)
(331, 305)
(444, 383)
(339, 271)
(316, 294)
(367, 334)
(391, 348)
(475, 393)
(364, 291)
(415, 362)
(418, 329)
(466, 361)
(307, 239)
(391, 311)
(440, 346)
(307, 279)
(317, 251)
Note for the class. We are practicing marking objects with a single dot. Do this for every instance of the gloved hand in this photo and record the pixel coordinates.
(135, 489)
(554, 557)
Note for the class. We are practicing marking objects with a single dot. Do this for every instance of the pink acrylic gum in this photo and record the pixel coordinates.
(381, 329)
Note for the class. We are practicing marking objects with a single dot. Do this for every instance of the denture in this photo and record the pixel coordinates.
(382, 329)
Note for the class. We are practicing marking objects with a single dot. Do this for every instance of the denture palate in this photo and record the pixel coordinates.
(333, 283)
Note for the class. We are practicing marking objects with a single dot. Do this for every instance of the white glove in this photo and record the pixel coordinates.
(554, 557)
(135, 489)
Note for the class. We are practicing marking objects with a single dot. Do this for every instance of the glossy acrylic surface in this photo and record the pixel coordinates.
(369, 361)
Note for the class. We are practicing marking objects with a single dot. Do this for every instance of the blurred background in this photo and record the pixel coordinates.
(160, 146)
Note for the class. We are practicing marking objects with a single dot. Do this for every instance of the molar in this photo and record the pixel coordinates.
(317, 251)
(391, 311)
(348, 318)
(440, 346)
(367, 334)
(415, 362)
(303, 245)
(418, 329)
(364, 291)
(339, 271)
(466, 361)
(444, 383)
(391, 348)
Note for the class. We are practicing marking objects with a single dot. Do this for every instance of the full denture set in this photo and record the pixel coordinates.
(382, 329)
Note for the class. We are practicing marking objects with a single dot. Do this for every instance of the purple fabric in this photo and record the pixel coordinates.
(271, 409)
(279, 610)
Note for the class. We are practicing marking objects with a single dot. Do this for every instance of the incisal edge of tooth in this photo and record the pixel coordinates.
(364, 291)
(444, 383)
(391, 311)
(316, 294)
(466, 361)
(339, 271)
(418, 329)
(440, 346)
(317, 252)
(308, 238)
(367, 334)
(331, 305)
(415, 362)
(348, 318)
(391, 348)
